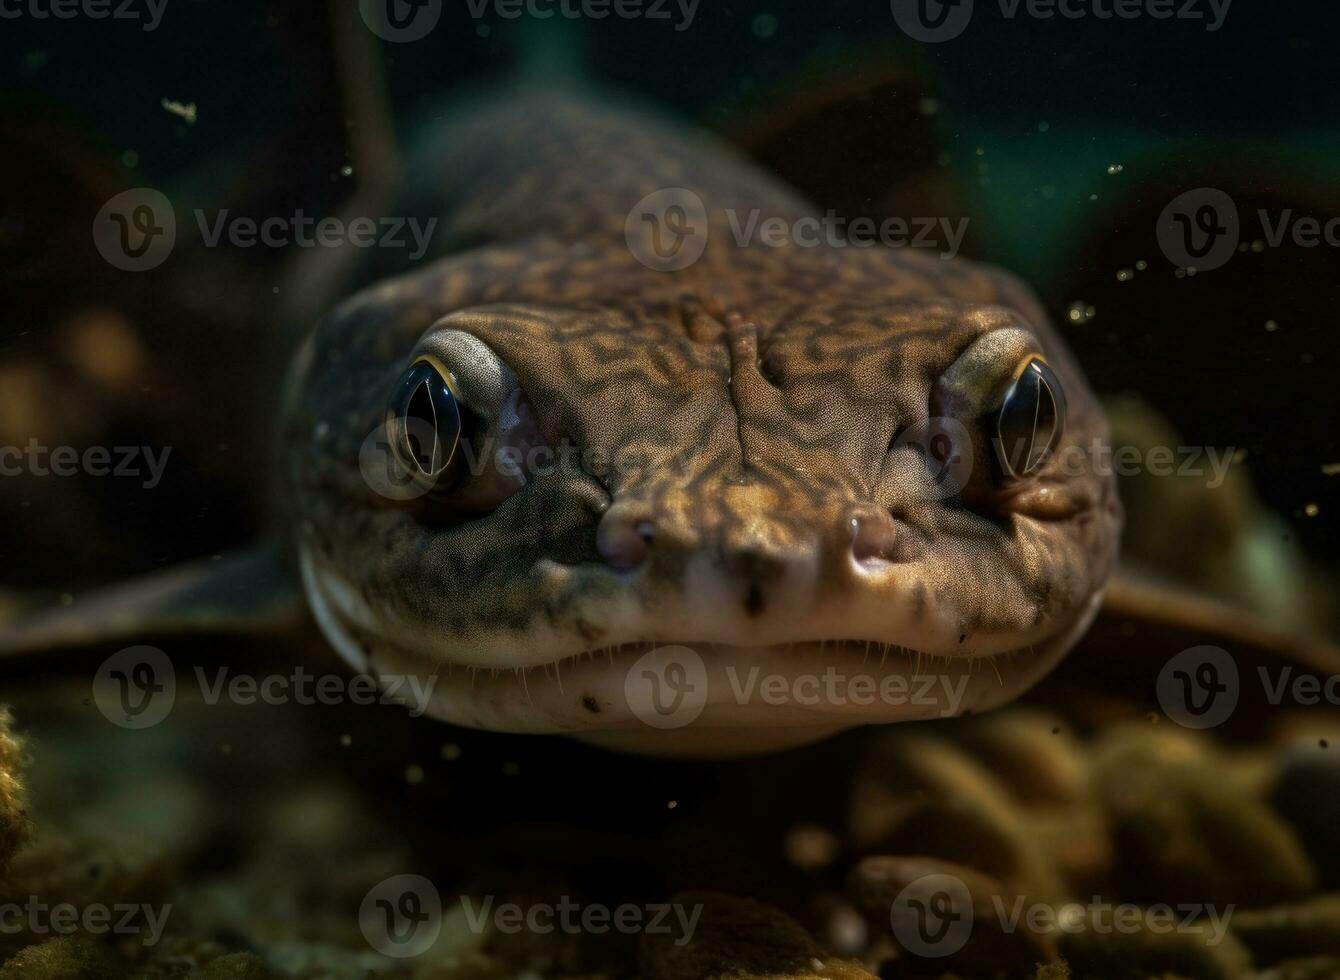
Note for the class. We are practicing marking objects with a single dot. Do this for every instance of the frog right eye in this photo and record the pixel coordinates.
(1030, 422)
(424, 423)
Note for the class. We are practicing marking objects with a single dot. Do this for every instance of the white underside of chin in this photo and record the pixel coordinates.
(695, 698)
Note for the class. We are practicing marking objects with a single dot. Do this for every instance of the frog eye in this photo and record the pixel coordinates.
(423, 422)
(1028, 426)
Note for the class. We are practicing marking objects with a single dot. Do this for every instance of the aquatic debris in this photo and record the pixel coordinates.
(13, 803)
(234, 966)
(56, 959)
(742, 939)
(1191, 950)
(1308, 928)
(186, 110)
(1307, 795)
(990, 946)
(1080, 312)
(1181, 828)
(924, 795)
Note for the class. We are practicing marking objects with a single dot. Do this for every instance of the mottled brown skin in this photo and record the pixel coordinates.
(751, 401)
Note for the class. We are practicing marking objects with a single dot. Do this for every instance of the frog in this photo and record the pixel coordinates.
(550, 449)
(537, 457)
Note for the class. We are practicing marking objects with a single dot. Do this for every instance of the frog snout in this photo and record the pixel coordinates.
(738, 549)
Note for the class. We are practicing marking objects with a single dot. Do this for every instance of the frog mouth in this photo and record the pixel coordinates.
(702, 697)
(707, 699)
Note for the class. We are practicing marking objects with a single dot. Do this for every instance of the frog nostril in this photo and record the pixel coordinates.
(624, 539)
(877, 538)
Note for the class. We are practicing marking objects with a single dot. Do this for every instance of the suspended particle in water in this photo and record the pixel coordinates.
(1080, 312)
(183, 110)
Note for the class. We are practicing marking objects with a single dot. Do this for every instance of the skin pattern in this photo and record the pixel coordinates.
(736, 450)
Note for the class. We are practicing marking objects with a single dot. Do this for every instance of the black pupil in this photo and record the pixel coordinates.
(428, 419)
(1030, 419)
(421, 427)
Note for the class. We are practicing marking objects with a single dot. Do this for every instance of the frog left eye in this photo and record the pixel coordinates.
(1028, 426)
(423, 420)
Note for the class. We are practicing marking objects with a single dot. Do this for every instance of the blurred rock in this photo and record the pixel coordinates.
(1308, 928)
(13, 800)
(1033, 753)
(234, 966)
(1307, 796)
(65, 958)
(1309, 968)
(740, 939)
(991, 944)
(918, 794)
(1182, 830)
(1149, 950)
